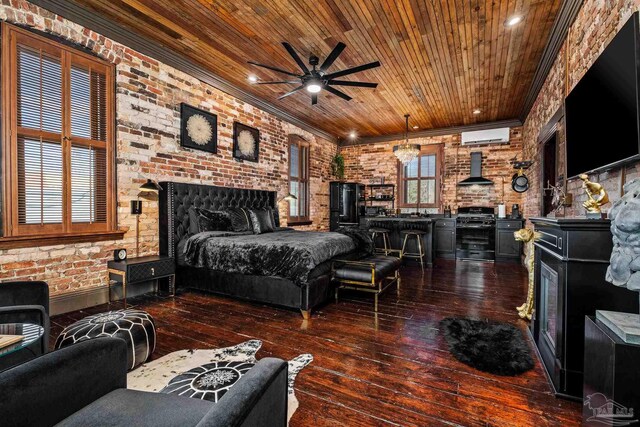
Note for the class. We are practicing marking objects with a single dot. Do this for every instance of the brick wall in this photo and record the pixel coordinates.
(148, 100)
(596, 24)
(367, 161)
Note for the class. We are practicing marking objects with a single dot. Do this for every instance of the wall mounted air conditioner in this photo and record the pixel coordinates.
(491, 136)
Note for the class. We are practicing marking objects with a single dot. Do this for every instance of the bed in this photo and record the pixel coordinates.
(286, 268)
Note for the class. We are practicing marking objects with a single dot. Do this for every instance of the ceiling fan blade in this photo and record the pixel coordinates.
(336, 92)
(274, 69)
(277, 83)
(352, 70)
(354, 84)
(295, 57)
(332, 56)
(292, 92)
(314, 98)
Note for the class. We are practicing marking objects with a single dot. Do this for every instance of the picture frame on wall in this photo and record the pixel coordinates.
(198, 129)
(246, 142)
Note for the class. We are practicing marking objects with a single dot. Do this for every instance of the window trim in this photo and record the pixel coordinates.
(301, 143)
(427, 149)
(13, 234)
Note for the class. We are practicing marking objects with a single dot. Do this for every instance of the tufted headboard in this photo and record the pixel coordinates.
(177, 197)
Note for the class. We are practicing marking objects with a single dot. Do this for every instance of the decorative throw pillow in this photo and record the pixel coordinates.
(239, 219)
(214, 221)
(194, 221)
(261, 220)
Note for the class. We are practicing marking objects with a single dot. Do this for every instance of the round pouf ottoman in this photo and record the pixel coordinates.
(136, 327)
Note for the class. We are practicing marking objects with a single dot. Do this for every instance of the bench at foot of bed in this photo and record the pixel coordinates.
(368, 274)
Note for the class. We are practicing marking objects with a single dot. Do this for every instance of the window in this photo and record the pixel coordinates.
(419, 180)
(298, 180)
(58, 136)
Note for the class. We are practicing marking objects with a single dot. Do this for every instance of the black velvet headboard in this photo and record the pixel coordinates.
(176, 198)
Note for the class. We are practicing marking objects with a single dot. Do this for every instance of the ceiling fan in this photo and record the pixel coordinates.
(317, 79)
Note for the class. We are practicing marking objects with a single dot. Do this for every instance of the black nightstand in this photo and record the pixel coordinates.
(143, 269)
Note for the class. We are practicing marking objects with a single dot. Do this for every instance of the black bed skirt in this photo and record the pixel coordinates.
(270, 290)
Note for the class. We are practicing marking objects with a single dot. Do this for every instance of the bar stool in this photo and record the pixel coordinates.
(417, 234)
(375, 232)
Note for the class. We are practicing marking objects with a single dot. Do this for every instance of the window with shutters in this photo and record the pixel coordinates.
(58, 138)
(419, 180)
(298, 180)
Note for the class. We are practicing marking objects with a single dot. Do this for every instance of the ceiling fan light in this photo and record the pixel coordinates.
(314, 87)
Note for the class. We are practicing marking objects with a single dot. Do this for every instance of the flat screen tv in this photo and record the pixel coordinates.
(601, 112)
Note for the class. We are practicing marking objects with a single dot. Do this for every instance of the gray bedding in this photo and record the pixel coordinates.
(289, 254)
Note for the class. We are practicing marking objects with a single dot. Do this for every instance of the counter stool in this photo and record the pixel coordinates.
(417, 234)
(375, 231)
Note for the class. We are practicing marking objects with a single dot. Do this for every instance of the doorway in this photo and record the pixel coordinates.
(549, 171)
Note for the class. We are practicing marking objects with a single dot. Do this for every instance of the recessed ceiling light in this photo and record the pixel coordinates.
(252, 78)
(477, 111)
(416, 127)
(514, 20)
(353, 134)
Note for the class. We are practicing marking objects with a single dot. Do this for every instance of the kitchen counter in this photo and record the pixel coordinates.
(398, 219)
(395, 225)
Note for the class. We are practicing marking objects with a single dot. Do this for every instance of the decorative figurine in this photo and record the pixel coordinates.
(624, 269)
(527, 236)
(597, 196)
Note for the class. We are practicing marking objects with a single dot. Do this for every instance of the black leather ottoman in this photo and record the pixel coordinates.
(135, 327)
(368, 274)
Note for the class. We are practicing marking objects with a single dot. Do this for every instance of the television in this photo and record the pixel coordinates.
(601, 112)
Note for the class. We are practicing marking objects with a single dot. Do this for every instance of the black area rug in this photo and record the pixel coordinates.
(494, 347)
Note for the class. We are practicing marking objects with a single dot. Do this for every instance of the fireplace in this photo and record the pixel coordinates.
(571, 259)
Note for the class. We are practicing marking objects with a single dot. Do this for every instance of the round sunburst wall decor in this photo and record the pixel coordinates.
(199, 129)
(246, 143)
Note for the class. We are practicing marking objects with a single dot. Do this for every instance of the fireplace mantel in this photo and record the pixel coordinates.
(571, 260)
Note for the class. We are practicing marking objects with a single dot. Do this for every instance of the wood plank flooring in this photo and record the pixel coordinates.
(389, 369)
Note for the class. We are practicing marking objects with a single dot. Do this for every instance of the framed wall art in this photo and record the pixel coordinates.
(198, 129)
(246, 142)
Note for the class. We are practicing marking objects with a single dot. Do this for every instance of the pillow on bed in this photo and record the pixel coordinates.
(240, 220)
(205, 220)
(261, 220)
(214, 221)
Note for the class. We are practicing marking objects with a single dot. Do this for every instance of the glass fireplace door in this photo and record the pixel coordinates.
(548, 307)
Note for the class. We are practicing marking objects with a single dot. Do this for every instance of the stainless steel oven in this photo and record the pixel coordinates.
(476, 233)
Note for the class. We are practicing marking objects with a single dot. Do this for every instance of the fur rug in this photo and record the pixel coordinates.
(494, 347)
(207, 374)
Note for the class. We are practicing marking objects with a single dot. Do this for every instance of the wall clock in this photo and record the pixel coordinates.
(198, 129)
(246, 142)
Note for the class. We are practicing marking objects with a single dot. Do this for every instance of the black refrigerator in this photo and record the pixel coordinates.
(346, 204)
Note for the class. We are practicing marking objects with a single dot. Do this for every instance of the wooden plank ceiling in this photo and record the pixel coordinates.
(441, 59)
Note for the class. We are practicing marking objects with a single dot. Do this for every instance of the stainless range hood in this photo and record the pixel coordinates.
(476, 177)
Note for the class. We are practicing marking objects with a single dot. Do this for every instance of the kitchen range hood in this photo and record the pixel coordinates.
(476, 172)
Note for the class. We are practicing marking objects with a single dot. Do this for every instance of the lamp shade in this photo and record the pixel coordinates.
(150, 187)
(288, 198)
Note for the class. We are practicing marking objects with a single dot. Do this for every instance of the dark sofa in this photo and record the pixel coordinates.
(85, 385)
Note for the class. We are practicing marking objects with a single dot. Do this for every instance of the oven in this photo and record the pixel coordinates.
(476, 234)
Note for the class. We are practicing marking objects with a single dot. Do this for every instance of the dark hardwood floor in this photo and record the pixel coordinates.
(392, 368)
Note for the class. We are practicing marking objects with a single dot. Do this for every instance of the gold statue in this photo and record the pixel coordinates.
(597, 195)
(527, 236)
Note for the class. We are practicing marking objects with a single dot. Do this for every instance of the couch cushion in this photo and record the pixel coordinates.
(124, 407)
(385, 266)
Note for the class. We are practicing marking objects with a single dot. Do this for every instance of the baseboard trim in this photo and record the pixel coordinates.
(78, 300)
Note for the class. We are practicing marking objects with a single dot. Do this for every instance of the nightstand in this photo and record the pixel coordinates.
(142, 269)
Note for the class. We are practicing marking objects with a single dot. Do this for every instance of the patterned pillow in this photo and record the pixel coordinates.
(262, 221)
(205, 220)
(214, 221)
(240, 220)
